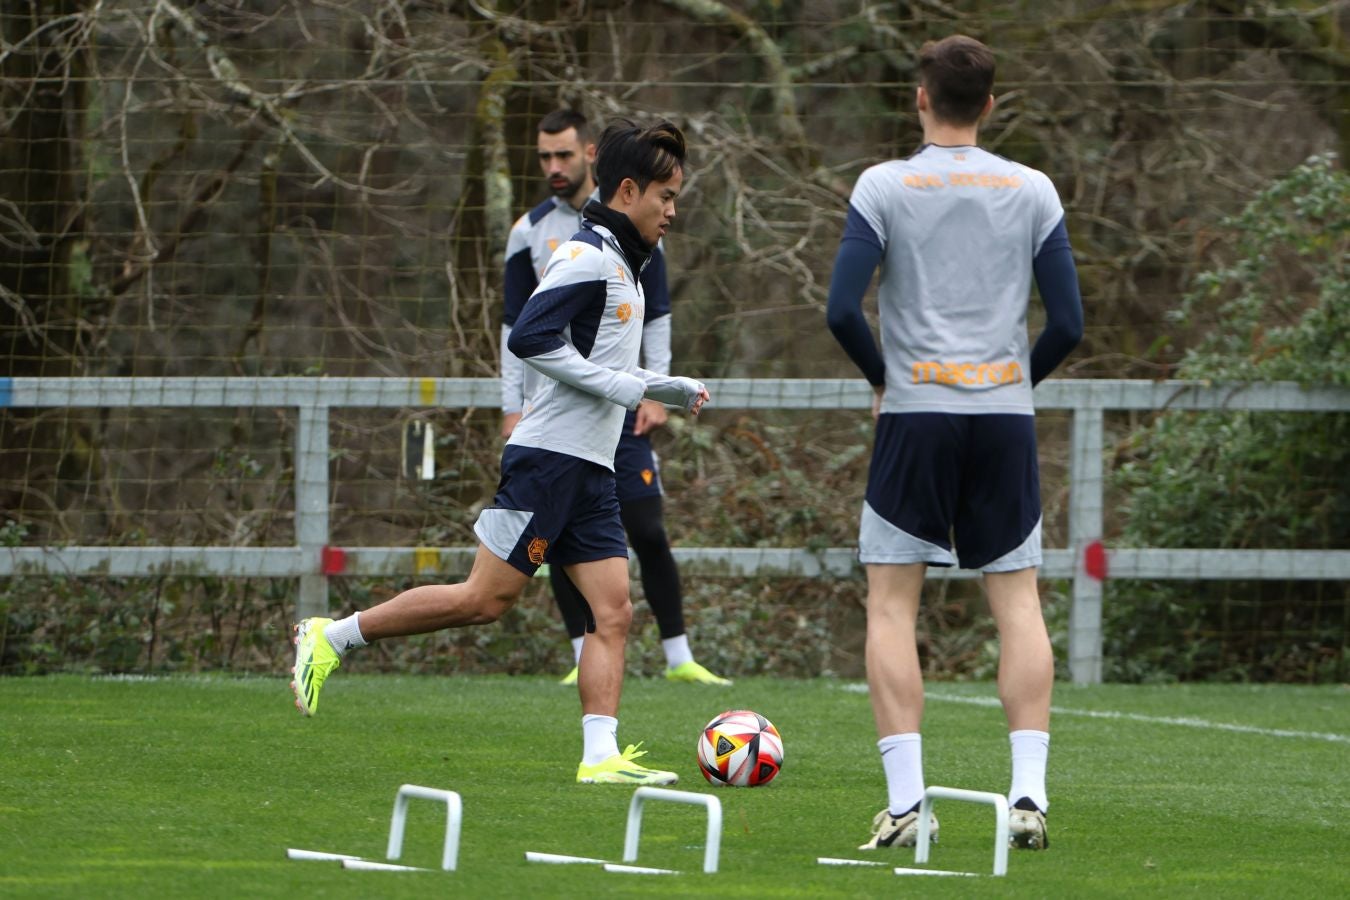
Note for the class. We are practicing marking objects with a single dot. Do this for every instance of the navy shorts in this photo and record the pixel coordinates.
(939, 479)
(552, 507)
(636, 472)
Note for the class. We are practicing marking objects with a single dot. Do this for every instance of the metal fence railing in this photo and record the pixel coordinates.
(313, 560)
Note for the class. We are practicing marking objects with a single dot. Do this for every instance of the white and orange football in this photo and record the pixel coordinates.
(740, 748)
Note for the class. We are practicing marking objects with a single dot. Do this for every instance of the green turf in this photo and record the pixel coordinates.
(195, 787)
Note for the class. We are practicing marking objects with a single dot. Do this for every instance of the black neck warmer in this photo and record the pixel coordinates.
(635, 249)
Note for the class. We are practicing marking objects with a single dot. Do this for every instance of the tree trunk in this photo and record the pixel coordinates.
(43, 95)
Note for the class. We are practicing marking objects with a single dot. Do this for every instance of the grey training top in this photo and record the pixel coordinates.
(959, 228)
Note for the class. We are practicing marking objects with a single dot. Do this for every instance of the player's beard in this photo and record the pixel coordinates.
(568, 191)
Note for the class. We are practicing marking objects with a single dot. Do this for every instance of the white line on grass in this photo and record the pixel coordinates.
(1186, 721)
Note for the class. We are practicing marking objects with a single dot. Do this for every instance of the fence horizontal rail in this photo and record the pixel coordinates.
(1086, 562)
(734, 562)
(730, 393)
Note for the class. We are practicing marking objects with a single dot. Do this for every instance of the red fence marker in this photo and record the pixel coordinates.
(1094, 560)
(333, 561)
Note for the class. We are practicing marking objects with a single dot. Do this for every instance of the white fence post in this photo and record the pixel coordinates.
(1085, 528)
(311, 507)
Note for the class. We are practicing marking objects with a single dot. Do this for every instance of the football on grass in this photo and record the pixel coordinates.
(740, 748)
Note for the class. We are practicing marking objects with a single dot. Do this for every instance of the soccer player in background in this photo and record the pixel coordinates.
(959, 234)
(580, 334)
(566, 153)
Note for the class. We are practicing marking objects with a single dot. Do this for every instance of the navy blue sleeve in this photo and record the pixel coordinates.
(655, 291)
(1057, 280)
(519, 283)
(858, 257)
(857, 227)
(546, 314)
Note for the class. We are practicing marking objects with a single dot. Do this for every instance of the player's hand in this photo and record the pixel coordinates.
(509, 421)
(878, 391)
(702, 398)
(651, 415)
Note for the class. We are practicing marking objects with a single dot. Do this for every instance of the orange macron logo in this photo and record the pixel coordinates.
(538, 547)
(647, 476)
(967, 374)
(577, 251)
(552, 244)
(624, 312)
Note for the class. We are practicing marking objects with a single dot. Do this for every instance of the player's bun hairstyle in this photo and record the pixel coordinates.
(642, 154)
(958, 74)
(560, 120)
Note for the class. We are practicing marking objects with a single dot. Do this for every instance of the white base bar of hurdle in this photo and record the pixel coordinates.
(318, 855)
(454, 815)
(367, 865)
(998, 801)
(901, 870)
(713, 843)
(560, 859)
(638, 870)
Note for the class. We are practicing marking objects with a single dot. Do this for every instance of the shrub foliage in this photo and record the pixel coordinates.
(1275, 308)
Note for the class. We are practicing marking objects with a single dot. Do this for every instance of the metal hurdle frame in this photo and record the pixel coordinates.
(633, 833)
(454, 816)
(923, 843)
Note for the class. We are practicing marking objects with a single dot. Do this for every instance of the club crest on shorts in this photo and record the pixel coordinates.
(647, 476)
(538, 547)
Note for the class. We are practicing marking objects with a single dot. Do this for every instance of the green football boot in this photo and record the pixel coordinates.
(315, 660)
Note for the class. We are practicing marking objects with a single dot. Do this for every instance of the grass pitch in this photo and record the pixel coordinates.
(195, 787)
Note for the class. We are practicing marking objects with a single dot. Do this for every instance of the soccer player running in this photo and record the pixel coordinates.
(959, 234)
(566, 153)
(580, 333)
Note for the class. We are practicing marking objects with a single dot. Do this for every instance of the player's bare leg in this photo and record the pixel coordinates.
(894, 679)
(895, 685)
(604, 584)
(492, 588)
(1026, 665)
(1026, 674)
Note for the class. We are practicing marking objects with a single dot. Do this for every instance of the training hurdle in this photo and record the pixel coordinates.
(454, 815)
(633, 834)
(713, 843)
(923, 844)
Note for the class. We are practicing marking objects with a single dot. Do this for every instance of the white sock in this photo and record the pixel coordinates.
(1030, 749)
(677, 651)
(576, 649)
(345, 634)
(902, 758)
(598, 734)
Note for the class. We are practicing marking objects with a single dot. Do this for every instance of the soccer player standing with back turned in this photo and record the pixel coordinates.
(580, 333)
(959, 234)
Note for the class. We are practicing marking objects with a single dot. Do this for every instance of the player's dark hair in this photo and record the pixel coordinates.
(958, 74)
(560, 120)
(642, 154)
